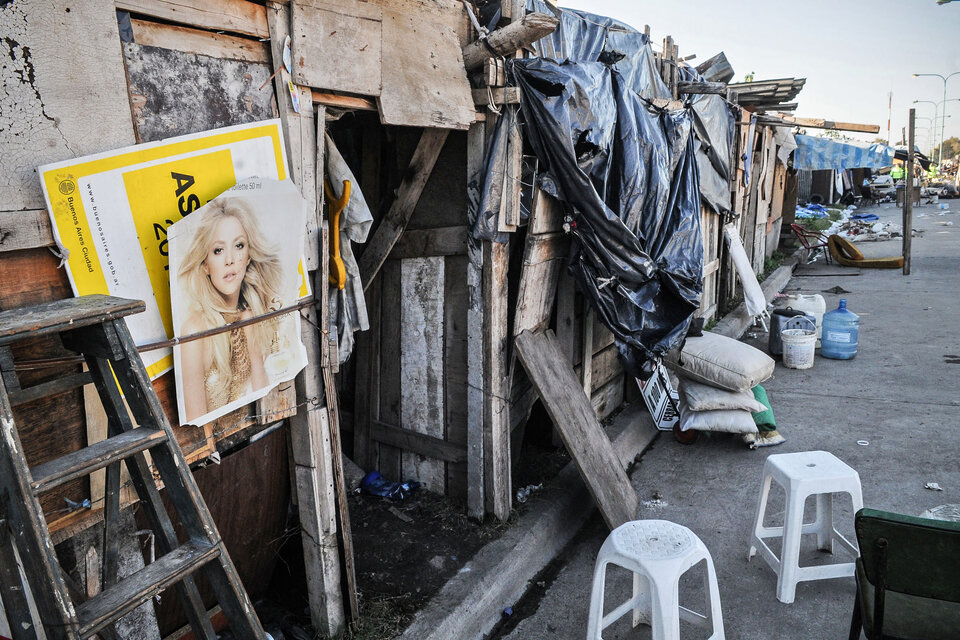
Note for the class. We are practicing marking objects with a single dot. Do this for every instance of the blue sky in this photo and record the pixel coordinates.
(851, 53)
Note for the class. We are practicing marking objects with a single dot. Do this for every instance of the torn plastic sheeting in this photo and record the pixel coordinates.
(715, 127)
(484, 219)
(586, 37)
(824, 153)
(627, 172)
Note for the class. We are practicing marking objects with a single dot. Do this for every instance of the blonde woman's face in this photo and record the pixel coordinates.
(227, 257)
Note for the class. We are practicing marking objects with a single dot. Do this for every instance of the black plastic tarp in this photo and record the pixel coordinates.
(627, 174)
(715, 127)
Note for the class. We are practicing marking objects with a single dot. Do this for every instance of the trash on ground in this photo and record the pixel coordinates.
(933, 486)
(836, 290)
(374, 484)
(863, 443)
(400, 514)
(524, 493)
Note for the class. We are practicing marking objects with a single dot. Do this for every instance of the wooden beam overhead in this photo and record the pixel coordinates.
(338, 101)
(235, 16)
(199, 41)
(510, 38)
(821, 123)
(702, 87)
(500, 95)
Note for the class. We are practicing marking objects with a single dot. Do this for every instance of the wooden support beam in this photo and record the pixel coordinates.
(510, 204)
(544, 254)
(719, 88)
(309, 427)
(339, 101)
(235, 16)
(199, 41)
(908, 192)
(496, 382)
(426, 243)
(584, 437)
(476, 485)
(418, 443)
(821, 123)
(408, 194)
(508, 39)
(500, 95)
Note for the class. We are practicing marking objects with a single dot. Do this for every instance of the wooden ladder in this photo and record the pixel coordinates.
(94, 327)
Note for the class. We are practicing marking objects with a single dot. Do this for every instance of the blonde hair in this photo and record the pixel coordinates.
(259, 291)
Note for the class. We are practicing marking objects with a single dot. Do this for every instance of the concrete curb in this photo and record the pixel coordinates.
(472, 602)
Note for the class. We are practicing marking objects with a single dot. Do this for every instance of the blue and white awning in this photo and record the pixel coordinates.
(824, 153)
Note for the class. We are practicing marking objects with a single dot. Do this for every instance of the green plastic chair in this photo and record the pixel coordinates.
(908, 578)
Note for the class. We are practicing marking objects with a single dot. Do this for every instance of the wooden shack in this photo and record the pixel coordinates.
(433, 391)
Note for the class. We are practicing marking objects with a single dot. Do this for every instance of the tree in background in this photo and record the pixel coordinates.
(951, 148)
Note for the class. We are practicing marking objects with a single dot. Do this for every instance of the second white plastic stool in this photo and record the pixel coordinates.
(817, 473)
(658, 552)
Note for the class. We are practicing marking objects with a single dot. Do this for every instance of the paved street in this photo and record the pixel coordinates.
(891, 413)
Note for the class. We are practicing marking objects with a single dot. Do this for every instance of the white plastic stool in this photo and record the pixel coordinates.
(658, 552)
(801, 475)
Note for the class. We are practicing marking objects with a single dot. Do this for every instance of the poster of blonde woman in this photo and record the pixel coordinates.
(236, 258)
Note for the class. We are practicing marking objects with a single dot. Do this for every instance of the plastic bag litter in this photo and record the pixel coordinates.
(374, 484)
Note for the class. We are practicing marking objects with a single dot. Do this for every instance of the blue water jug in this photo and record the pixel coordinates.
(841, 330)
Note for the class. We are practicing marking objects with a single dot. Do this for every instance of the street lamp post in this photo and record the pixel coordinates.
(944, 78)
(932, 129)
(933, 126)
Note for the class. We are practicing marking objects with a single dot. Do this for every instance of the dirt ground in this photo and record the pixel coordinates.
(404, 551)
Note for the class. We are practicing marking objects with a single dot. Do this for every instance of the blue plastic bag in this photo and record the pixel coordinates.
(374, 484)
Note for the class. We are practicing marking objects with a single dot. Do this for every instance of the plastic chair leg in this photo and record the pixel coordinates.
(666, 605)
(761, 509)
(595, 621)
(641, 596)
(712, 591)
(790, 553)
(824, 524)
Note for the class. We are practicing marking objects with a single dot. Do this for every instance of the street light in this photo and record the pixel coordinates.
(944, 78)
(931, 129)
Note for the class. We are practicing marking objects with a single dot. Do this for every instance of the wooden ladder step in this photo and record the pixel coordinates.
(63, 315)
(74, 465)
(134, 590)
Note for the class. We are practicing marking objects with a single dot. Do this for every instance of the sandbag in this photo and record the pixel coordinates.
(703, 397)
(725, 420)
(721, 362)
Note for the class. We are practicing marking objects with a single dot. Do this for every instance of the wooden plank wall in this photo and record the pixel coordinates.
(168, 71)
(417, 402)
(710, 228)
(775, 221)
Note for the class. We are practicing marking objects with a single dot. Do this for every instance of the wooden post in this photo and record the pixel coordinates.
(496, 388)
(309, 429)
(908, 197)
(476, 485)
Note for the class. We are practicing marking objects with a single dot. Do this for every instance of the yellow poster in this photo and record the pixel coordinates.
(111, 211)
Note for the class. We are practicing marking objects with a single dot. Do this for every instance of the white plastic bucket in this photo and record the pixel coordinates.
(798, 347)
(813, 304)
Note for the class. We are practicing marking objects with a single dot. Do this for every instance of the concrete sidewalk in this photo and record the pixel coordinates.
(891, 413)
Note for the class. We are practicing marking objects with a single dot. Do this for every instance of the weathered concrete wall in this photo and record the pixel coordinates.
(63, 91)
